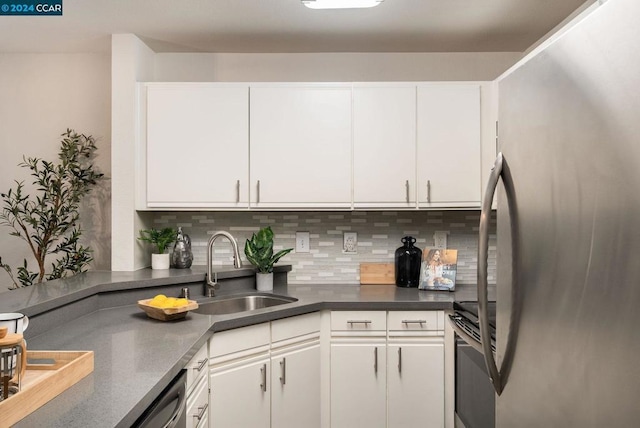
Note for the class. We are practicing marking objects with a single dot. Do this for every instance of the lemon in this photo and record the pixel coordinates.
(169, 302)
(158, 300)
(164, 302)
(180, 302)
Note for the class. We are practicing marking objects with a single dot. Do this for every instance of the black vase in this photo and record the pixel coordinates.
(408, 259)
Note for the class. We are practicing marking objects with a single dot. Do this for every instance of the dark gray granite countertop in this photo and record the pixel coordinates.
(136, 357)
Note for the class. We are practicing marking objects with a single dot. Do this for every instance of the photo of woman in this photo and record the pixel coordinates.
(438, 269)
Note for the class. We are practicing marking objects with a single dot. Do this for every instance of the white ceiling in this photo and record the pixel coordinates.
(287, 26)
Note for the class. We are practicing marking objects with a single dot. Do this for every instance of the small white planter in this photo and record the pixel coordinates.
(160, 261)
(264, 281)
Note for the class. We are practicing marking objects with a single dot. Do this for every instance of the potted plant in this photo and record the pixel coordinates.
(259, 252)
(48, 218)
(161, 239)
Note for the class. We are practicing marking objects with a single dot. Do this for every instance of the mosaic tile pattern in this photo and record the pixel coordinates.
(379, 234)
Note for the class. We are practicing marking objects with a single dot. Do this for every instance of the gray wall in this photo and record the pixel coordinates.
(379, 235)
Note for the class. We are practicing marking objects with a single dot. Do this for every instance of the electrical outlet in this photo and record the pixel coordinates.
(350, 242)
(440, 239)
(302, 242)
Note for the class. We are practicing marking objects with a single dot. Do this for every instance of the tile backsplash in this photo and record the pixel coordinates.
(378, 236)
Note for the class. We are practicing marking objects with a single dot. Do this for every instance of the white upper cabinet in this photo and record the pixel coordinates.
(384, 145)
(300, 145)
(397, 145)
(449, 145)
(197, 145)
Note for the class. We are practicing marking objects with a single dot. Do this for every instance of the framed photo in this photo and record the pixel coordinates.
(438, 269)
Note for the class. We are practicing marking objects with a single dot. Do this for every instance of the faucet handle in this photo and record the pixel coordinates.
(184, 293)
(210, 286)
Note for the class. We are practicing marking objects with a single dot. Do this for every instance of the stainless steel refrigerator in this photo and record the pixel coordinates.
(568, 284)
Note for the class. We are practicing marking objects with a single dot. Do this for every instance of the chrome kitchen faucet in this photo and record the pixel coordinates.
(212, 280)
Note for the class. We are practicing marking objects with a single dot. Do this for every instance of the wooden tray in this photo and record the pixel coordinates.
(377, 273)
(166, 314)
(42, 382)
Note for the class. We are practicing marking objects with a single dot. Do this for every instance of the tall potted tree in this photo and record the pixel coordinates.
(259, 252)
(49, 221)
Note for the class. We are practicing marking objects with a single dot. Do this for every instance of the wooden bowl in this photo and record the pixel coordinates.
(3, 332)
(166, 314)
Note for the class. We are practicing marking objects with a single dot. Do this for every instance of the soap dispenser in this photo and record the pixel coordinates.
(408, 259)
(182, 256)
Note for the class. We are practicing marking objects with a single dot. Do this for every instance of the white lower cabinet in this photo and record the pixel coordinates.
(198, 405)
(239, 368)
(415, 384)
(387, 375)
(198, 390)
(386, 369)
(239, 394)
(266, 375)
(358, 384)
(295, 387)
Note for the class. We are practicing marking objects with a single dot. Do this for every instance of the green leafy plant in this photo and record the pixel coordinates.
(259, 250)
(160, 238)
(49, 221)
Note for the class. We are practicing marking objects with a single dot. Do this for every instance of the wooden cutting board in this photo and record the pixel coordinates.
(377, 273)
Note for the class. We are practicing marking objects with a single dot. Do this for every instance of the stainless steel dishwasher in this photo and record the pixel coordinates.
(169, 410)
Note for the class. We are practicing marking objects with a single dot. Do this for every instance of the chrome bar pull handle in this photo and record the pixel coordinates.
(407, 322)
(263, 372)
(429, 191)
(375, 360)
(238, 191)
(283, 371)
(201, 412)
(202, 364)
(365, 322)
(400, 360)
(407, 187)
(258, 192)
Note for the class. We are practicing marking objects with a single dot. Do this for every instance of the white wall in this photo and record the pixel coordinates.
(41, 95)
(331, 67)
(132, 61)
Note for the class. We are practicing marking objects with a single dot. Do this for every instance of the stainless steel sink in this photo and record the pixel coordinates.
(241, 303)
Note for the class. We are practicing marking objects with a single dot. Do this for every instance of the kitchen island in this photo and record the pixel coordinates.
(136, 357)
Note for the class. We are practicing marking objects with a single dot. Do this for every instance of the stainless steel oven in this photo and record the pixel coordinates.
(169, 409)
(474, 396)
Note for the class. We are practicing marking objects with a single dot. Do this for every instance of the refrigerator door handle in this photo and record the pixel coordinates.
(497, 172)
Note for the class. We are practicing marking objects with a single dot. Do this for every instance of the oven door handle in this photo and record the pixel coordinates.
(174, 420)
(470, 340)
(154, 415)
(499, 170)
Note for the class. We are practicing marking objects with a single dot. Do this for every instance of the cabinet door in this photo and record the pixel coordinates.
(295, 391)
(197, 145)
(416, 385)
(449, 145)
(198, 404)
(240, 395)
(384, 146)
(301, 146)
(358, 385)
